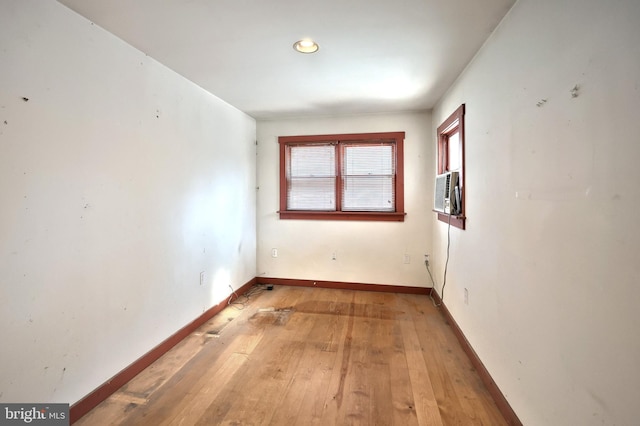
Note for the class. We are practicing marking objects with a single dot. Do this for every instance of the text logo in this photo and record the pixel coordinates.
(34, 414)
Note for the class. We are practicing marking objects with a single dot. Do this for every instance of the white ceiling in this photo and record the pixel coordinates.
(375, 55)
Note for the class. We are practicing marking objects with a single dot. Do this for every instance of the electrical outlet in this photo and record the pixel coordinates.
(407, 258)
(426, 259)
(466, 296)
(274, 252)
(202, 278)
(334, 256)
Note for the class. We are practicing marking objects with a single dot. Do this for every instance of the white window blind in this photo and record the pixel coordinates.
(368, 177)
(311, 176)
(352, 176)
(366, 173)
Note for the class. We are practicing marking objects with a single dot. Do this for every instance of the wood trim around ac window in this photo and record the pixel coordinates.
(458, 221)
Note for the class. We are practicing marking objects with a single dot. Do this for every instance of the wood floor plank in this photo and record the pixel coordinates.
(265, 382)
(198, 374)
(357, 393)
(265, 374)
(424, 397)
(402, 398)
(461, 395)
(303, 384)
(333, 410)
(309, 356)
(324, 344)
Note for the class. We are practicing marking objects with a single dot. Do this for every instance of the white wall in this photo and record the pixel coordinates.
(367, 252)
(120, 182)
(550, 254)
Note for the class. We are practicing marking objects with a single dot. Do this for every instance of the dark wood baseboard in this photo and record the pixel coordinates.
(344, 285)
(87, 403)
(502, 403)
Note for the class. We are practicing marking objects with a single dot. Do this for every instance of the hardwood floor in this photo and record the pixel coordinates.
(302, 356)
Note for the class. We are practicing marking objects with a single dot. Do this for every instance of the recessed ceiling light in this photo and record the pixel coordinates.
(306, 46)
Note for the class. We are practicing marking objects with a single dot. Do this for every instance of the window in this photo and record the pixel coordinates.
(450, 136)
(342, 177)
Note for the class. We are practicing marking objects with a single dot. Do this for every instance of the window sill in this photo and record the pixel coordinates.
(363, 216)
(456, 221)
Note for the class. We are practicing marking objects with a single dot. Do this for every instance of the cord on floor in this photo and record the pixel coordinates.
(241, 301)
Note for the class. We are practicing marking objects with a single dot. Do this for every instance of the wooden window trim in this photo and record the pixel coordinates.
(454, 123)
(397, 216)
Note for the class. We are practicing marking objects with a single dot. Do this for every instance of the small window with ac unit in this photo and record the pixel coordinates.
(449, 190)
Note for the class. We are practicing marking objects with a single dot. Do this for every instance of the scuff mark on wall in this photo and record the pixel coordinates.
(574, 91)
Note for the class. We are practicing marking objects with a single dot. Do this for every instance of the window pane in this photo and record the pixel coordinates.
(311, 178)
(368, 160)
(374, 193)
(454, 151)
(368, 178)
(312, 160)
(312, 194)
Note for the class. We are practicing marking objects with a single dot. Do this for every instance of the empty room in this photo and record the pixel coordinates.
(341, 212)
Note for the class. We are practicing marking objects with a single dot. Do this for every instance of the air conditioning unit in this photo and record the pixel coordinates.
(445, 193)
